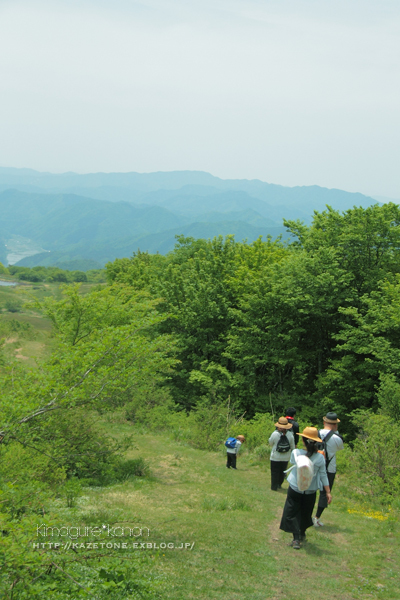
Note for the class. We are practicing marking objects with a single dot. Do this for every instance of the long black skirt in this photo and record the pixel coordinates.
(297, 512)
(323, 500)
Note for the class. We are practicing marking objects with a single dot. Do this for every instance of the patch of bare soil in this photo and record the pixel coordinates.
(274, 530)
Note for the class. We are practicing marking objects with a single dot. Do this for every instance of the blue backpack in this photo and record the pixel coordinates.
(230, 442)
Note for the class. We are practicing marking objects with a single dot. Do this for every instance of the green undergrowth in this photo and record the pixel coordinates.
(207, 532)
(371, 459)
(233, 519)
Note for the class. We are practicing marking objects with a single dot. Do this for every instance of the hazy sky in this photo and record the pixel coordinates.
(288, 91)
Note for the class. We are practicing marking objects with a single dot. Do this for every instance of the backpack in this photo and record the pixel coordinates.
(305, 471)
(322, 447)
(283, 445)
(230, 443)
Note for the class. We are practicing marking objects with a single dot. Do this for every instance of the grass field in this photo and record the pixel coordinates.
(35, 344)
(30, 348)
(232, 518)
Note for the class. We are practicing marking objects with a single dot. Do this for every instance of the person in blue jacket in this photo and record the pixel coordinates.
(299, 505)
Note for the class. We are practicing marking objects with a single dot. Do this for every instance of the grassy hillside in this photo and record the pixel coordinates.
(233, 520)
(229, 519)
(26, 333)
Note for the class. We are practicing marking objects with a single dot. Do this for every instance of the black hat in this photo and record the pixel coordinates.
(331, 417)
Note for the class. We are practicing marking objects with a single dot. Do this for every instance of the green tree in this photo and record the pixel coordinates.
(78, 276)
(3, 270)
(366, 241)
(107, 346)
(367, 352)
(282, 339)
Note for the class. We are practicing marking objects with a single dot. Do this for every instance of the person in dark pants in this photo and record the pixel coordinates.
(290, 414)
(299, 505)
(231, 453)
(334, 443)
(282, 442)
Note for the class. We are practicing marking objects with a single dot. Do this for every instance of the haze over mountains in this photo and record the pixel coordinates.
(99, 217)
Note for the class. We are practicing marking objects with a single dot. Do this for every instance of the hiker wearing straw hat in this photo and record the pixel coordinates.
(282, 442)
(232, 448)
(299, 505)
(332, 443)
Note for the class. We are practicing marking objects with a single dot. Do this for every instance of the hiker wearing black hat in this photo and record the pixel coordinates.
(332, 443)
(290, 414)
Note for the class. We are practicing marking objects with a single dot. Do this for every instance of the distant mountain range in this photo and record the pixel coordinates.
(101, 216)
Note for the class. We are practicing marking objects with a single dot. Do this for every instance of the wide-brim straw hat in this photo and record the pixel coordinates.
(311, 433)
(283, 423)
(331, 418)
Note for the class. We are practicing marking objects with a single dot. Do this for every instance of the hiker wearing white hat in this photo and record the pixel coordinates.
(332, 443)
(300, 499)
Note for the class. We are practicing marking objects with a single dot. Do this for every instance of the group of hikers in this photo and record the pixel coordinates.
(313, 468)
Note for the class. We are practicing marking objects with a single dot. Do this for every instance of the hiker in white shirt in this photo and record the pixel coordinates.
(334, 443)
(282, 442)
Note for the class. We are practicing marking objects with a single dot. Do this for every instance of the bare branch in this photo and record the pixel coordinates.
(68, 575)
(50, 406)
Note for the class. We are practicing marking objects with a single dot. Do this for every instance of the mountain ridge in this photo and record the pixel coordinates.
(116, 213)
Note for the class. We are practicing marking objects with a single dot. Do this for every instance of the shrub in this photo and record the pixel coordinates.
(59, 276)
(209, 425)
(134, 467)
(376, 455)
(20, 464)
(13, 305)
(71, 491)
(256, 431)
(262, 452)
(30, 276)
(78, 276)
(17, 500)
(24, 330)
(70, 444)
(389, 395)
(206, 427)
(29, 573)
(150, 405)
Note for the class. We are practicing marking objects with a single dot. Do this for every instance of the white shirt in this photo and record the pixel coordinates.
(236, 449)
(273, 441)
(333, 445)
